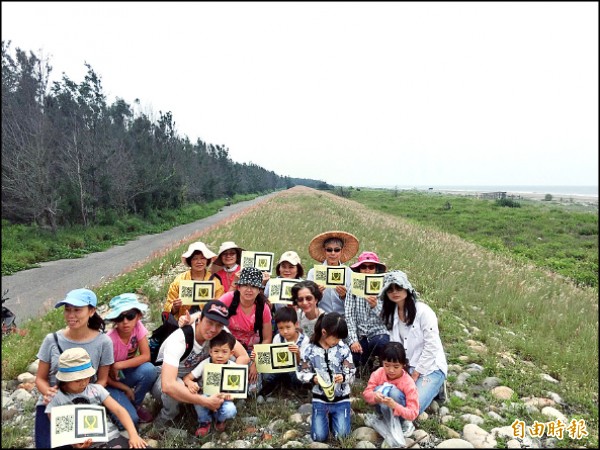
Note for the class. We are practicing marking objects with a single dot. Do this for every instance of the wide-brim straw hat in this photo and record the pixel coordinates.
(198, 247)
(349, 250)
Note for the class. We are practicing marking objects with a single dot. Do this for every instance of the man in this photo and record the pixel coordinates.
(169, 386)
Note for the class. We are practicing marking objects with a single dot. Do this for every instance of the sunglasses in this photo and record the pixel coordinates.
(333, 250)
(129, 315)
(369, 266)
(310, 298)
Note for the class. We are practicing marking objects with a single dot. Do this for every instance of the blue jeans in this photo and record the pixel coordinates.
(141, 379)
(393, 392)
(119, 396)
(428, 387)
(338, 413)
(42, 427)
(370, 347)
(288, 379)
(226, 411)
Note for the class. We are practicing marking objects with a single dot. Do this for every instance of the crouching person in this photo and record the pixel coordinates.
(169, 387)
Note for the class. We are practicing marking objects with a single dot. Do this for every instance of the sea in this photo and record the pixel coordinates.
(584, 191)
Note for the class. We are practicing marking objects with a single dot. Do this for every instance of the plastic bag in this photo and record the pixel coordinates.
(388, 426)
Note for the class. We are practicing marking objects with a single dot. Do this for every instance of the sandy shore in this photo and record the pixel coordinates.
(580, 199)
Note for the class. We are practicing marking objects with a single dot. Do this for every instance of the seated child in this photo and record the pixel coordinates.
(392, 387)
(74, 373)
(327, 362)
(286, 320)
(221, 350)
(132, 372)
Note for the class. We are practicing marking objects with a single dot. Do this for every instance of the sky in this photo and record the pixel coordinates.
(355, 93)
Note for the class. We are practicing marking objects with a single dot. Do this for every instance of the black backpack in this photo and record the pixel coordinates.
(163, 332)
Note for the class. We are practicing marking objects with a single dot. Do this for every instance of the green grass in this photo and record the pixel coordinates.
(25, 246)
(530, 320)
(562, 238)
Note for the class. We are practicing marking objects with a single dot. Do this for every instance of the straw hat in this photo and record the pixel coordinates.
(350, 248)
(74, 364)
(227, 246)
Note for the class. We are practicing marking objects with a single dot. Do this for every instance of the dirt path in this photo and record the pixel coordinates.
(35, 291)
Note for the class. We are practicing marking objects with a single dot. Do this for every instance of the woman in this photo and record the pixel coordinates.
(414, 325)
(289, 266)
(332, 249)
(306, 296)
(367, 334)
(84, 329)
(230, 258)
(249, 315)
(198, 258)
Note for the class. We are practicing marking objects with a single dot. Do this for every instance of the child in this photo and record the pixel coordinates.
(132, 371)
(286, 320)
(392, 387)
(74, 373)
(221, 350)
(328, 358)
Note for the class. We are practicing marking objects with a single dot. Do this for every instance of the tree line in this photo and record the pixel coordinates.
(69, 157)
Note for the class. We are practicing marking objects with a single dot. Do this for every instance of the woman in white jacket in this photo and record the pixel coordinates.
(414, 324)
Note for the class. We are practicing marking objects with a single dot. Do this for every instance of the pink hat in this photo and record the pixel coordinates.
(368, 257)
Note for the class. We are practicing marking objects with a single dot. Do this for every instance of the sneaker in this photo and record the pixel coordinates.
(144, 415)
(220, 426)
(408, 428)
(203, 429)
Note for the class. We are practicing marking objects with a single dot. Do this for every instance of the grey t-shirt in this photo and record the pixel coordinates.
(100, 349)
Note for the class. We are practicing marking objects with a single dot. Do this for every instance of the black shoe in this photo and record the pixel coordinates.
(267, 389)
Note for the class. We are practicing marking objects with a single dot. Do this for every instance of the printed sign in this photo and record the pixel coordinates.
(226, 379)
(263, 261)
(364, 284)
(280, 290)
(274, 358)
(330, 276)
(192, 292)
(74, 424)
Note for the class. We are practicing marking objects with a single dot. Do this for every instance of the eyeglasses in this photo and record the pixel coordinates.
(368, 266)
(310, 298)
(333, 250)
(129, 315)
(394, 288)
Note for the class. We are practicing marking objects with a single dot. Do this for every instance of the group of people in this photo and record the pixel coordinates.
(392, 338)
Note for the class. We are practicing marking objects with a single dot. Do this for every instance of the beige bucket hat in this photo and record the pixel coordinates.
(74, 364)
(228, 246)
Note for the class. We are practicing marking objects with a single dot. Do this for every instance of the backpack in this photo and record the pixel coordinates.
(164, 331)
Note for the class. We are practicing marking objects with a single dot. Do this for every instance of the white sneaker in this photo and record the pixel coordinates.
(408, 428)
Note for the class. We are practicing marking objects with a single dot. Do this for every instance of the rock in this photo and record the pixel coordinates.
(502, 392)
(554, 413)
(7, 401)
(464, 358)
(240, 444)
(152, 443)
(447, 418)
(293, 444)
(460, 395)
(365, 444)
(250, 420)
(548, 378)
(460, 380)
(305, 409)
(454, 443)
(495, 416)
(366, 434)
(296, 418)
(472, 419)
(554, 396)
(9, 414)
(491, 382)
(538, 402)
(423, 416)
(26, 377)
(21, 396)
(513, 443)
(276, 425)
(478, 436)
(450, 433)
(291, 435)
(33, 367)
(27, 386)
(318, 445)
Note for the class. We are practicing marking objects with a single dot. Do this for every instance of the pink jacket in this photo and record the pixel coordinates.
(405, 383)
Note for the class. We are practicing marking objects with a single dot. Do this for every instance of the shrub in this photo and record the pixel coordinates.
(508, 202)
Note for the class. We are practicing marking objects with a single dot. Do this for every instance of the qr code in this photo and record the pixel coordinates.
(248, 262)
(65, 424)
(275, 290)
(359, 284)
(264, 358)
(213, 379)
(187, 291)
(321, 276)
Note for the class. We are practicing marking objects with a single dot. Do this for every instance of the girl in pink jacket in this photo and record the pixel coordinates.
(392, 387)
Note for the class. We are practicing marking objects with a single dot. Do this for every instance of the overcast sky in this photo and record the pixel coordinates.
(361, 94)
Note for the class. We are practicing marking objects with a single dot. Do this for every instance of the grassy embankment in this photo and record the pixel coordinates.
(24, 246)
(541, 321)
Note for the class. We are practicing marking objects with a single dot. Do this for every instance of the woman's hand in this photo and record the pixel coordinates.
(265, 278)
(86, 444)
(50, 394)
(176, 305)
(341, 291)
(372, 300)
(356, 347)
(322, 288)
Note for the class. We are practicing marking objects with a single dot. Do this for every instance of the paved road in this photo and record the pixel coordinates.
(33, 292)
